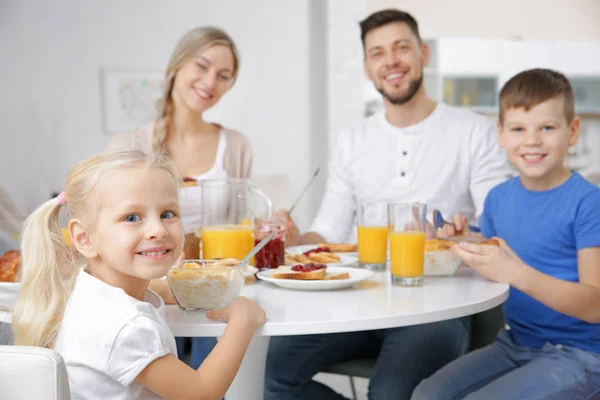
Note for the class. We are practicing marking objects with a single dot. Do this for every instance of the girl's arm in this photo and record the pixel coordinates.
(172, 379)
(577, 299)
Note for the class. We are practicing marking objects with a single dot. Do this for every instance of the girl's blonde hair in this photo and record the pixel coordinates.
(192, 43)
(49, 265)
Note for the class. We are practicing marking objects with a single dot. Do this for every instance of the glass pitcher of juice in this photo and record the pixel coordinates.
(228, 210)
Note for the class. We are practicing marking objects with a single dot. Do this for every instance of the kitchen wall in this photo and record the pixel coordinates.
(50, 109)
(530, 19)
(301, 80)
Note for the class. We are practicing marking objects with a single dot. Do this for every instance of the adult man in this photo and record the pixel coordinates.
(415, 150)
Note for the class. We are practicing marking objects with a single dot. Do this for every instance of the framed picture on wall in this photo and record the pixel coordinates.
(129, 98)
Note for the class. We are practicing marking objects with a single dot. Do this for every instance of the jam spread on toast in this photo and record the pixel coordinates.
(307, 267)
(321, 249)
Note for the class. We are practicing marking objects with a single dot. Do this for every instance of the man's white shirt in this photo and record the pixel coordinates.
(449, 161)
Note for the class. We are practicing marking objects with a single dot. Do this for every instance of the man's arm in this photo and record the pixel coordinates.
(334, 218)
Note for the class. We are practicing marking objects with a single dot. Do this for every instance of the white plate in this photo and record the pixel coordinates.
(356, 275)
(345, 258)
(250, 270)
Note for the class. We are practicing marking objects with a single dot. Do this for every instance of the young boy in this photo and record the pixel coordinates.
(548, 223)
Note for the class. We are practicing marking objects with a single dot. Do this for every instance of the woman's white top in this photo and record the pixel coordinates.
(190, 198)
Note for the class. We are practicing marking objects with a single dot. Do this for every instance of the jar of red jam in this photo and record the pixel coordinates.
(273, 254)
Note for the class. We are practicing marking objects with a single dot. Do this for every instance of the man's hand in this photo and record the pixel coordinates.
(292, 233)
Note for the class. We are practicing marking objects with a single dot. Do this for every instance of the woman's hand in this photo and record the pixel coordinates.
(497, 263)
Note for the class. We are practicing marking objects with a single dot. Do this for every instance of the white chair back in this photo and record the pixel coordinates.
(32, 373)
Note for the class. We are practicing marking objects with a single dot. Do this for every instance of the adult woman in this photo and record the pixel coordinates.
(202, 68)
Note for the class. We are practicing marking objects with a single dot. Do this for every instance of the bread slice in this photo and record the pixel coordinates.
(333, 276)
(285, 272)
(490, 242)
(340, 247)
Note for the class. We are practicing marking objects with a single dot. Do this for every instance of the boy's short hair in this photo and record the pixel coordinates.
(529, 88)
(385, 17)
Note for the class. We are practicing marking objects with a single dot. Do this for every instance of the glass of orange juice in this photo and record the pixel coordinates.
(372, 235)
(407, 223)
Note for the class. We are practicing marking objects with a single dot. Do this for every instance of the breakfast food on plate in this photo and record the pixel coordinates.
(443, 244)
(326, 258)
(321, 254)
(10, 264)
(290, 259)
(187, 181)
(301, 271)
(307, 272)
(206, 285)
(340, 247)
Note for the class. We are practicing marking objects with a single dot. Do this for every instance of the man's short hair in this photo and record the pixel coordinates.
(529, 88)
(384, 17)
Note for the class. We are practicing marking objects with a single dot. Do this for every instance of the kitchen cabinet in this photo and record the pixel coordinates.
(470, 72)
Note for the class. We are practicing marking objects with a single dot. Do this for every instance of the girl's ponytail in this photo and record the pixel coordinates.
(48, 275)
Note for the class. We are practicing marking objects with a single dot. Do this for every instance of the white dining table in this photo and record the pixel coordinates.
(370, 304)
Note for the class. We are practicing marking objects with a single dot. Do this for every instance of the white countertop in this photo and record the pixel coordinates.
(372, 304)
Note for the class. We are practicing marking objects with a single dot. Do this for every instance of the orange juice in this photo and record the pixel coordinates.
(226, 241)
(372, 244)
(407, 253)
(247, 222)
(66, 237)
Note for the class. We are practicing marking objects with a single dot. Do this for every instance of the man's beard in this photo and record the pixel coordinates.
(413, 88)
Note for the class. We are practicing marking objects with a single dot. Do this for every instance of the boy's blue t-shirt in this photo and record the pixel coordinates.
(546, 229)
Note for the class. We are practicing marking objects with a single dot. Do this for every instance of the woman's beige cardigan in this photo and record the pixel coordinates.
(238, 153)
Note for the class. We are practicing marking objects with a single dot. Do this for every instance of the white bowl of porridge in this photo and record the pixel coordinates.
(439, 260)
(206, 284)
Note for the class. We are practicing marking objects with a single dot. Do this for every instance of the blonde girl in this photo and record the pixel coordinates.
(93, 306)
(203, 67)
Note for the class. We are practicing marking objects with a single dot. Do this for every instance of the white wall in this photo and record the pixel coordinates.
(528, 19)
(344, 65)
(49, 78)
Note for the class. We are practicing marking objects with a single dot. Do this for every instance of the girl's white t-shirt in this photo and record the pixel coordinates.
(107, 338)
(190, 198)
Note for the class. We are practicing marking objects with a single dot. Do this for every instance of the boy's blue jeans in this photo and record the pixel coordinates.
(506, 371)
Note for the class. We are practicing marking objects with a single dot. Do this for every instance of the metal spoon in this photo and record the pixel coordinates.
(439, 221)
(304, 190)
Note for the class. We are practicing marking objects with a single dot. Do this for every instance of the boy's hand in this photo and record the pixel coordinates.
(241, 311)
(497, 263)
(458, 226)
